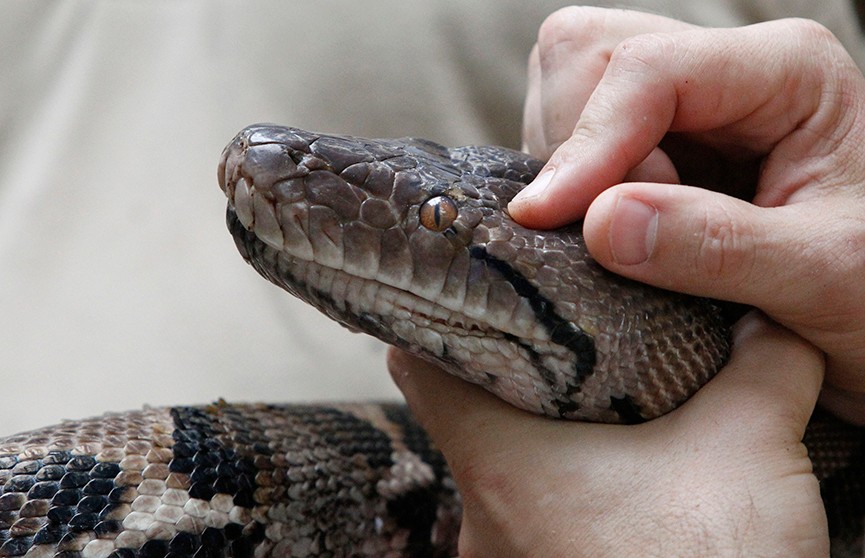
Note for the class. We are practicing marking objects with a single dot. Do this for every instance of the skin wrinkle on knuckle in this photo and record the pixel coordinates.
(837, 86)
(835, 121)
(644, 57)
(560, 30)
(834, 110)
(723, 251)
(568, 25)
(567, 45)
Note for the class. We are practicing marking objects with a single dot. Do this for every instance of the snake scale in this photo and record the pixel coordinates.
(409, 241)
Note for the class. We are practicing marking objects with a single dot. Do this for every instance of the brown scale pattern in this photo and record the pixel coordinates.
(224, 480)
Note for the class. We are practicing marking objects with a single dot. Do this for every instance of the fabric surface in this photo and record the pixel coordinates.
(119, 285)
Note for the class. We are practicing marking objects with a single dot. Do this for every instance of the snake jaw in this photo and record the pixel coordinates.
(336, 221)
(306, 230)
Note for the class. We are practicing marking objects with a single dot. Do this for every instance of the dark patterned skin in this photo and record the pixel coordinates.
(225, 480)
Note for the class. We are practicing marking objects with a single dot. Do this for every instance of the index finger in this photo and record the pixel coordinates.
(748, 91)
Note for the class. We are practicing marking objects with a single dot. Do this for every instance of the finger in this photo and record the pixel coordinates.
(787, 260)
(708, 244)
(533, 128)
(574, 48)
(701, 82)
(770, 385)
(657, 167)
(801, 264)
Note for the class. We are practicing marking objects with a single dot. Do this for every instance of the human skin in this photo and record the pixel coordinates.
(724, 475)
(774, 112)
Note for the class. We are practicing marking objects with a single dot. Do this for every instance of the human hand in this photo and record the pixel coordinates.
(723, 475)
(779, 106)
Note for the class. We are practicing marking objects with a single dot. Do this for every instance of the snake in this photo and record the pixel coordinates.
(411, 242)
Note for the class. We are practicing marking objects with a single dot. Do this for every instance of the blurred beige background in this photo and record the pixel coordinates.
(119, 285)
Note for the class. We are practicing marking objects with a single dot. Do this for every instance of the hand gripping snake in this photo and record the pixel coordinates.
(411, 242)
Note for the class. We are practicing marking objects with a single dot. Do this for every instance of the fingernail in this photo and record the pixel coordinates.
(536, 187)
(633, 231)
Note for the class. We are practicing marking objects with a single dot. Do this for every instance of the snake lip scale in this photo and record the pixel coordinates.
(411, 242)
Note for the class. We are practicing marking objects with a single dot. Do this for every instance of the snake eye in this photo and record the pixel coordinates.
(438, 213)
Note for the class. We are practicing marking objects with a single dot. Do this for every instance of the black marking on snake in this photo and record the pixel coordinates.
(627, 409)
(77, 486)
(365, 440)
(560, 330)
(213, 469)
(81, 491)
(563, 407)
(416, 510)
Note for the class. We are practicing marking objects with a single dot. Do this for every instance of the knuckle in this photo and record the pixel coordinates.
(559, 25)
(811, 47)
(587, 130)
(648, 51)
(827, 58)
(724, 251)
(566, 26)
(809, 29)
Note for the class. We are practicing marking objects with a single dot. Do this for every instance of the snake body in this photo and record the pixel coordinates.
(411, 242)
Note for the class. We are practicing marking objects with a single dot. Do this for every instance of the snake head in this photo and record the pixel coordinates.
(411, 242)
(401, 214)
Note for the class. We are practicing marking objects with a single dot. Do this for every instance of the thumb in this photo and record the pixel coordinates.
(702, 83)
(709, 244)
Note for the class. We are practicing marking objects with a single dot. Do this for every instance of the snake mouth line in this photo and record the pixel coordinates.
(355, 295)
(337, 291)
